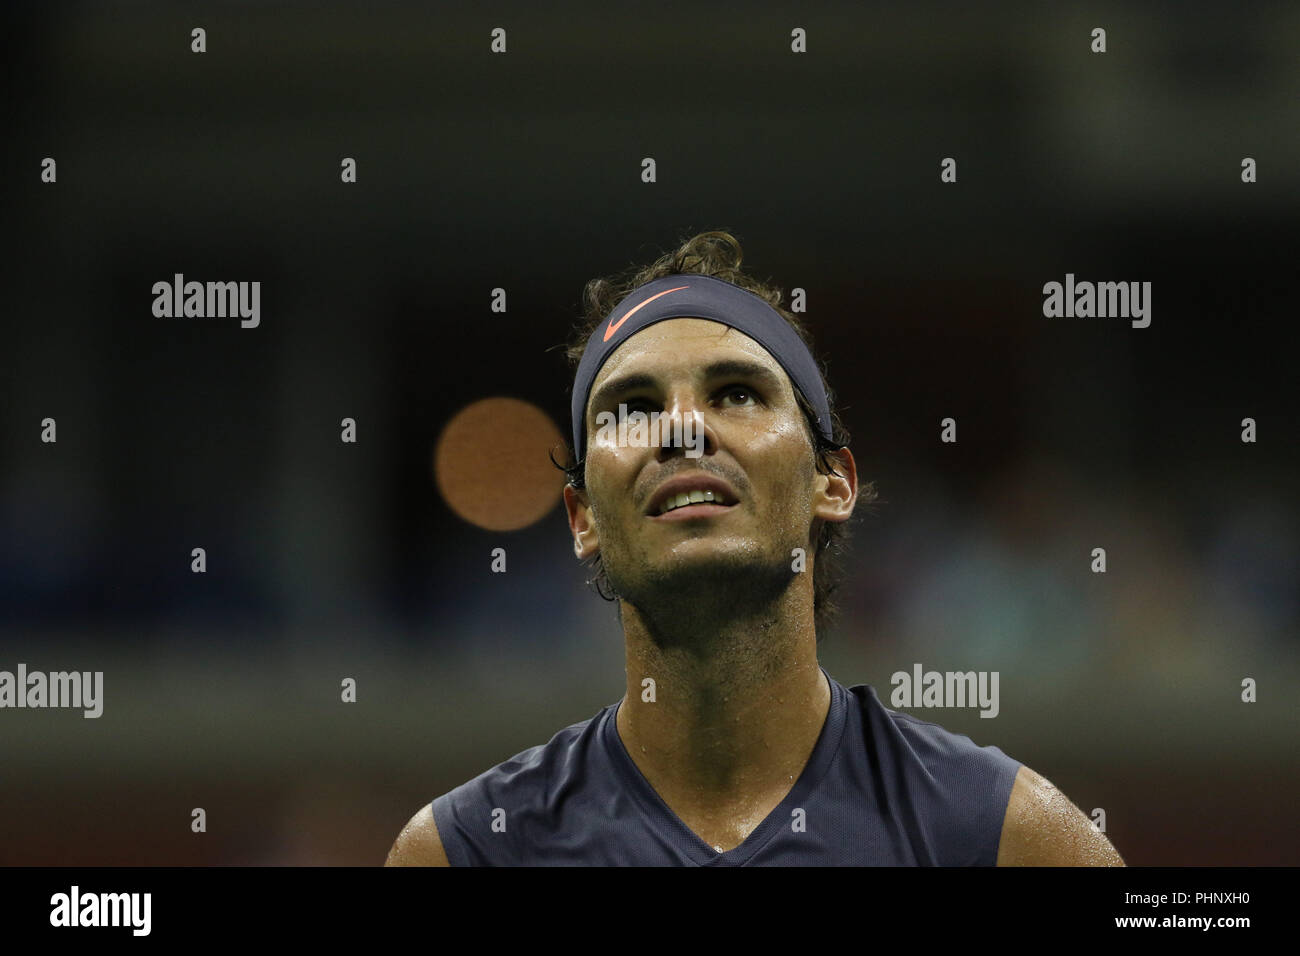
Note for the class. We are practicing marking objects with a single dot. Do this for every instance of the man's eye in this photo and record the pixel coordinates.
(742, 391)
(633, 405)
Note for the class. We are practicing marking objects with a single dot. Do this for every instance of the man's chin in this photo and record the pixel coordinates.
(726, 581)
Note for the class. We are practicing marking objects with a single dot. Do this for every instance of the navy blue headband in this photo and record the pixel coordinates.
(703, 297)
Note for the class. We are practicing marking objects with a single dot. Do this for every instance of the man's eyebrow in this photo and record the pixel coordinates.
(617, 387)
(741, 368)
(723, 368)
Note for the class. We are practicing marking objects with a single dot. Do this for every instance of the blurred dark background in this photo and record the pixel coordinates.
(523, 171)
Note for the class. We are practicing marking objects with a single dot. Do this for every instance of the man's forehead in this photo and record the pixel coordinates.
(684, 344)
(776, 341)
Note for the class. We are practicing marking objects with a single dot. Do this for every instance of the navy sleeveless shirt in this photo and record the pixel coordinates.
(881, 788)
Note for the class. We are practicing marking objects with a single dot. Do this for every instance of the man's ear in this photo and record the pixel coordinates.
(837, 494)
(586, 540)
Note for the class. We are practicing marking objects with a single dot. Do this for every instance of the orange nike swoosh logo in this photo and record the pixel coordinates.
(614, 326)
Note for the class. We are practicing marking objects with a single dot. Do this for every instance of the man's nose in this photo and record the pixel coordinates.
(685, 429)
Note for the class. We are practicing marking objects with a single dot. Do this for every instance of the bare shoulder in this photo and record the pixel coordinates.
(1043, 828)
(418, 844)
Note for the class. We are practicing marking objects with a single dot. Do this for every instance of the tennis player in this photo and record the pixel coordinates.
(732, 746)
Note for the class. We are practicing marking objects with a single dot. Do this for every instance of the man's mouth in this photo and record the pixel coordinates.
(687, 500)
(690, 495)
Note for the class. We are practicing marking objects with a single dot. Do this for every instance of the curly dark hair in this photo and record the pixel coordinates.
(718, 253)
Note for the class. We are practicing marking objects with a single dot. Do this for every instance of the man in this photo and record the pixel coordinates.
(732, 746)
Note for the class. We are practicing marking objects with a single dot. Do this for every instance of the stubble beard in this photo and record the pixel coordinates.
(695, 604)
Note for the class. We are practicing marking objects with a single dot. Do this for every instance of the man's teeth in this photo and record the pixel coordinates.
(688, 498)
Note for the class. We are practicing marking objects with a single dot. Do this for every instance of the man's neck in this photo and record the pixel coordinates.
(735, 709)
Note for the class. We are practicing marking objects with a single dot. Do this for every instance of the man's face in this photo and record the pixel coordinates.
(754, 440)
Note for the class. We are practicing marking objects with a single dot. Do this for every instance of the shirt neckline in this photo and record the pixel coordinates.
(683, 837)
